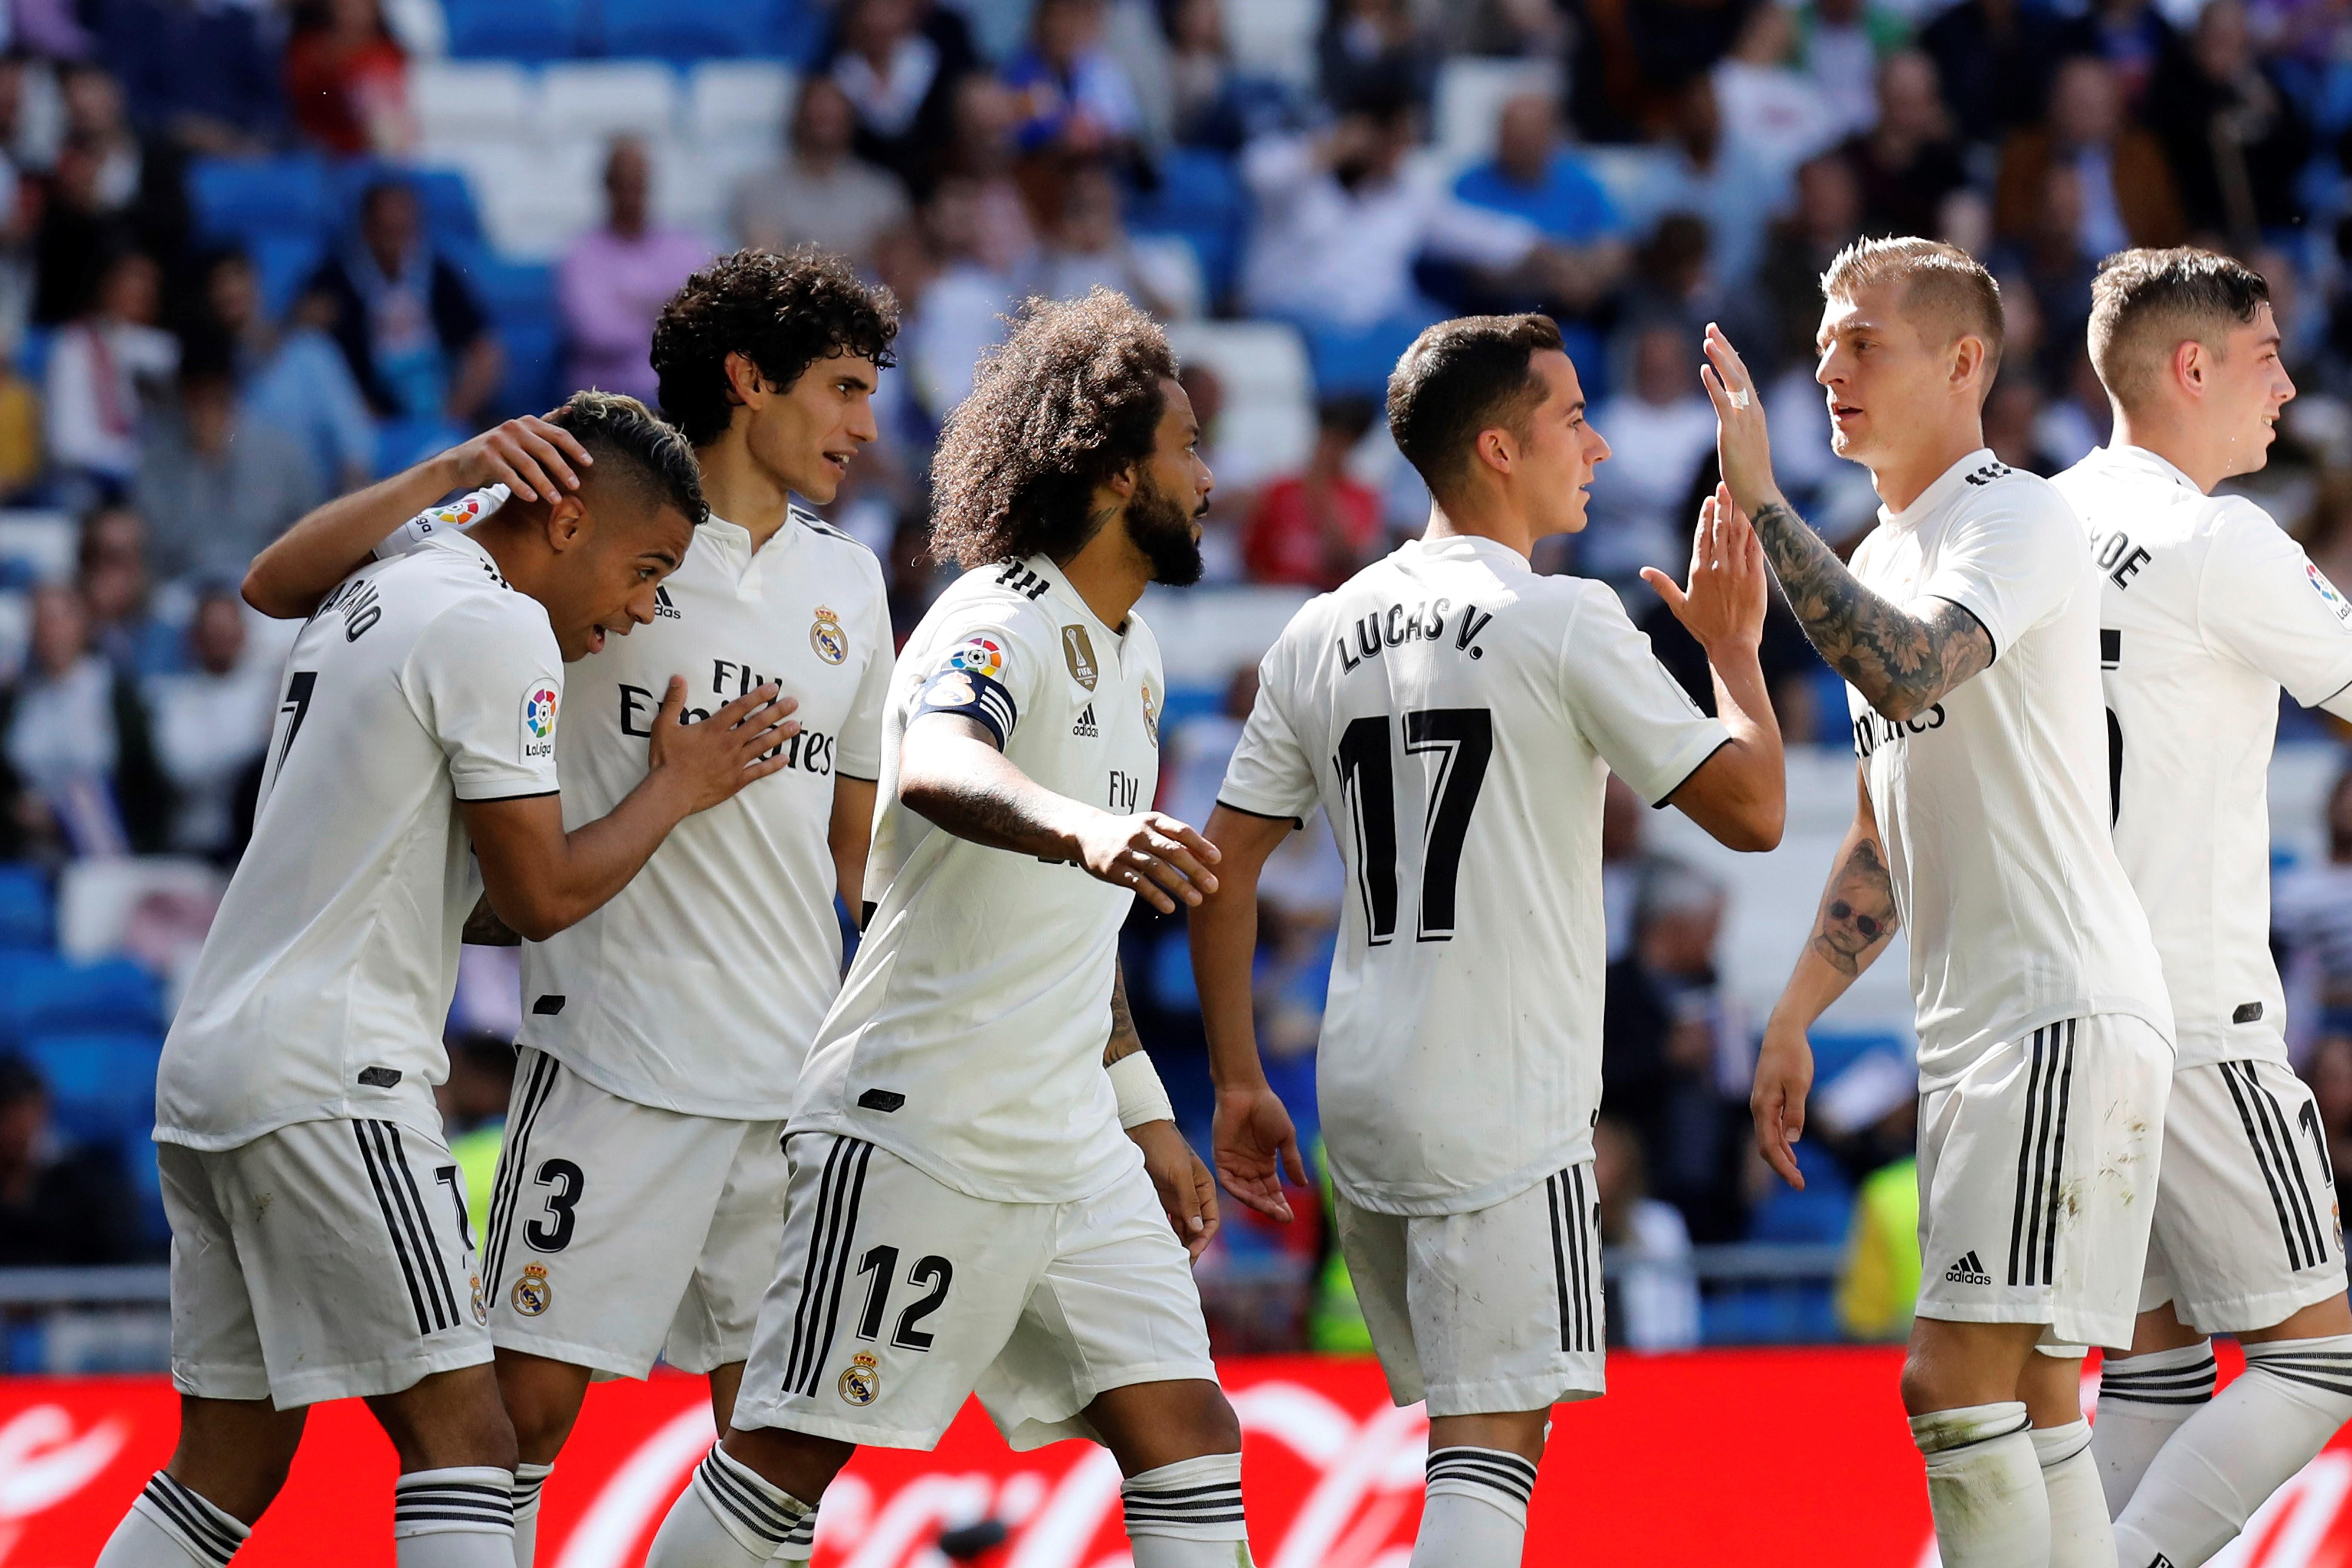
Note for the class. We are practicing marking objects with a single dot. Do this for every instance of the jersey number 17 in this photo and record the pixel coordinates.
(1463, 739)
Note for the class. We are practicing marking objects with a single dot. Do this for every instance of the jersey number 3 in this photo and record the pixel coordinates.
(1463, 740)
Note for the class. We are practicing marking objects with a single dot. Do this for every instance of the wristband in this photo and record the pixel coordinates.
(1141, 1096)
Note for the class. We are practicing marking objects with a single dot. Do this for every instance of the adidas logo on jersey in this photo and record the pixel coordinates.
(1968, 1270)
(1988, 473)
(663, 609)
(1086, 724)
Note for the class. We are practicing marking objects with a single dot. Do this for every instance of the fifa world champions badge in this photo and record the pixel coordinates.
(830, 643)
(532, 1294)
(861, 1380)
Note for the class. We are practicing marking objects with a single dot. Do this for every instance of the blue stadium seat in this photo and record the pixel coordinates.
(509, 290)
(687, 30)
(285, 262)
(1802, 1313)
(1201, 201)
(534, 381)
(451, 219)
(1821, 1212)
(27, 911)
(102, 1084)
(402, 443)
(797, 31)
(513, 29)
(236, 198)
(42, 993)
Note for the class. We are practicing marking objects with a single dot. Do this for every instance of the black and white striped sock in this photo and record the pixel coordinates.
(761, 1517)
(208, 1536)
(1197, 1500)
(1494, 1476)
(465, 1499)
(2142, 1400)
(529, 1480)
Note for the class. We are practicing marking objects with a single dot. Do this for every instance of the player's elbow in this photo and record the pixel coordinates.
(1902, 703)
(536, 914)
(269, 597)
(1756, 826)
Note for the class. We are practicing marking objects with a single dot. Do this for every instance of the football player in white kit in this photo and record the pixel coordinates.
(1457, 714)
(1967, 632)
(966, 1213)
(2209, 610)
(319, 1249)
(640, 1195)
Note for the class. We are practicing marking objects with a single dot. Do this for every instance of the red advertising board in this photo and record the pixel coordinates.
(1770, 1458)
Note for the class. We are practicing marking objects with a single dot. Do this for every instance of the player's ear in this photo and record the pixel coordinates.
(1495, 450)
(744, 381)
(2189, 364)
(567, 523)
(1968, 358)
(1122, 482)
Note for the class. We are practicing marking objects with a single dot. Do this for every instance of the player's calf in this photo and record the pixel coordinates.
(231, 1460)
(745, 1505)
(1179, 1444)
(453, 1506)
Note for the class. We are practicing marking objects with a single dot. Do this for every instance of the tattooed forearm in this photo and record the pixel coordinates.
(1901, 662)
(1857, 912)
(1124, 1040)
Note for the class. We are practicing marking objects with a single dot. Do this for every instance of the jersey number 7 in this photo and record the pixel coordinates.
(1463, 739)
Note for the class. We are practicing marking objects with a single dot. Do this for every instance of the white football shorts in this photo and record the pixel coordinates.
(2038, 1178)
(325, 1260)
(620, 1233)
(898, 1296)
(1495, 1311)
(2247, 1230)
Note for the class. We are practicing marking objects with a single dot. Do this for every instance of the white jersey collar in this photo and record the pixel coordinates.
(1468, 547)
(1934, 496)
(465, 543)
(2121, 455)
(732, 541)
(1057, 584)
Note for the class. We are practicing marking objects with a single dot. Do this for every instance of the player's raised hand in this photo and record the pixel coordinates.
(537, 460)
(1157, 857)
(1784, 1075)
(1255, 1144)
(1742, 444)
(1723, 605)
(1186, 1193)
(716, 756)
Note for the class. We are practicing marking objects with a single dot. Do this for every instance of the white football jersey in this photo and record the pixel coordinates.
(1457, 715)
(699, 987)
(1993, 804)
(2208, 609)
(420, 682)
(968, 1039)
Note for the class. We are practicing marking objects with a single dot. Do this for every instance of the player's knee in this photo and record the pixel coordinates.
(800, 1463)
(1212, 1428)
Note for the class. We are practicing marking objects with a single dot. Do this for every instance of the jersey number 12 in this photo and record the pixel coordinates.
(1463, 739)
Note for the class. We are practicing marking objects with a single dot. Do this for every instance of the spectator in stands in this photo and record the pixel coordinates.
(1074, 98)
(1213, 102)
(984, 157)
(2328, 1070)
(1659, 430)
(1996, 58)
(105, 367)
(1089, 247)
(960, 311)
(1534, 175)
(115, 595)
(1841, 47)
(2135, 37)
(1319, 528)
(215, 485)
(2056, 264)
(1241, 473)
(1905, 163)
(1770, 104)
(211, 724)
(410, 328)
(1651, 1300)
(899, 62)
(61, 1206)
(1374, 43)
(201, 72)
(24, 455)
(2234, 134)
(2012, 424)
(2127, 195)
(820, 193)
(2311, 923)
(614, 282)
(347, 79)
(142, 177)
(1825, 218)
(1716, 176)
(291, 375)
(76, 754)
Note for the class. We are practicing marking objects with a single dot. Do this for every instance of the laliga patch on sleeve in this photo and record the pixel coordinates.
(539, 700)
(2337, 604)
(982, 656)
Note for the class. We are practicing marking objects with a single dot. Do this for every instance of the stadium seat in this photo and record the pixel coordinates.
(740, 100)
(285, 262)
(237, 197)
(534, 379)
(450, 217)
(1471, 92)
(1275, 38)
(686, 30)
(597, 99)
(512, 29)
(1199, 199)
(37, 545)
(1269, 392)
(1821, 1212)
(534, 200)
(471, 100)
(101, 1083)
(401, 443)
(27, 914)
(41, 994)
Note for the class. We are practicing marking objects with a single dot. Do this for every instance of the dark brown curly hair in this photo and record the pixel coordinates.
(782, 311)
(1070, 398)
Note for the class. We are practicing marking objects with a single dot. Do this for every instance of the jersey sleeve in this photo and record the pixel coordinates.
(1637, 716)
(2014, 561)
(1271, 774)
(487, 681)
(859, 750)
(463, 512)
(2260, 601)
(984, 667)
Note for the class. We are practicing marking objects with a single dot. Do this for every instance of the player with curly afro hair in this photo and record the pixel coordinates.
(1079, 401)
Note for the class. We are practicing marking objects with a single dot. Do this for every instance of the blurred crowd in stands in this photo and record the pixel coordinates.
(180, 380)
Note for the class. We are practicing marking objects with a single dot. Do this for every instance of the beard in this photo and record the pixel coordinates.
(1162, 529)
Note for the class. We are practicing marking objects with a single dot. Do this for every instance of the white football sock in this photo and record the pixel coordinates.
(529, 1480)
(2142, 1400)
(731, 1516)
(1187, 1514)
(2226, 1458)
(462, 1517)
(171, 1527)
(1984, 1485)
(1475, 1511)
(2080, 1536)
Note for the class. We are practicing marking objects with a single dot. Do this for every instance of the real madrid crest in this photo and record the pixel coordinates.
(832, 643)
(1152, 718)
(481, 1306)
(861, 1380)
(531, 1293)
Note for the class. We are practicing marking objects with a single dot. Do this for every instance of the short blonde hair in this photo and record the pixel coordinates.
(2145, 304)
(1940, 283)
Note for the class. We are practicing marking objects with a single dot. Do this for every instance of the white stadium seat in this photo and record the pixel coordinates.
(471, 100)
(534, 199)
(1275, 38)
(1471, 92)
(599, 100)
(1269, 415)
(729, 101)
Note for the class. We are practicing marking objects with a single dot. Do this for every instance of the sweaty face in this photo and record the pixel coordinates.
(604, 585)
(1171, 495)
(1885, 381)
(1562, 449)
(806, 434)
(2249, 386)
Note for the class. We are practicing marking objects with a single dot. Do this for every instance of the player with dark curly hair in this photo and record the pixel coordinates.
(955, 1126)
(641, 1189)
